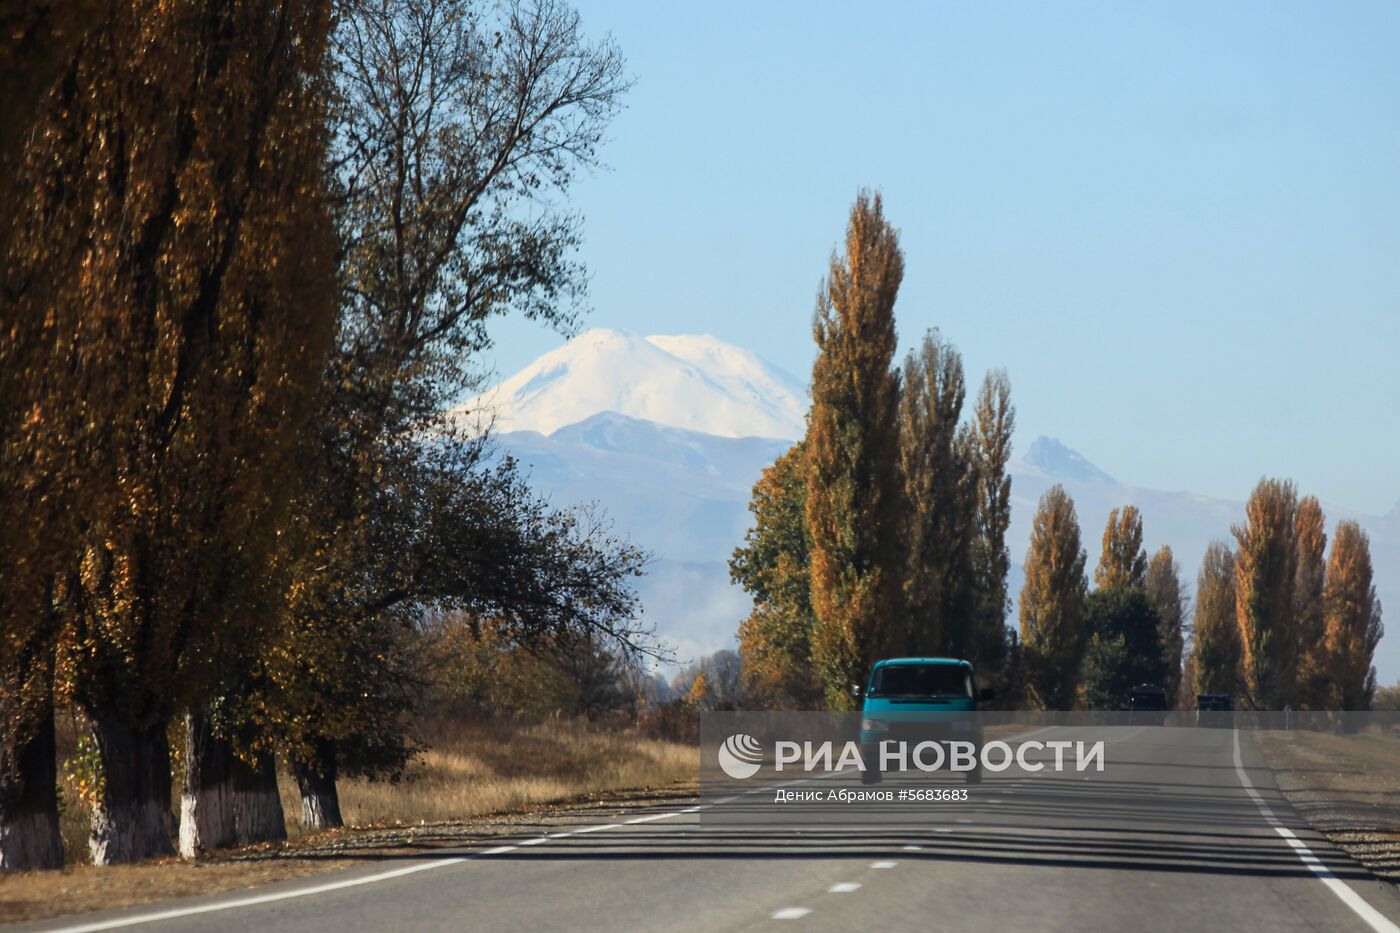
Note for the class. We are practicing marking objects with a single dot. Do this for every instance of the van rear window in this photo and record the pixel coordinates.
(922, 680)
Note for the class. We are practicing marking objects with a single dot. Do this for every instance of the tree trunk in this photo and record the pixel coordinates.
(257, 803)
(320, 801)
(132, 818)
(206, 794)
(29, 837)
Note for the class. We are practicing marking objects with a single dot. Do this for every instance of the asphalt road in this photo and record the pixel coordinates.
(1183, 831)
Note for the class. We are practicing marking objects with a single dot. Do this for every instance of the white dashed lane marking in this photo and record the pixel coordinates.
(791, 913)
(844, 887)
(883, 864)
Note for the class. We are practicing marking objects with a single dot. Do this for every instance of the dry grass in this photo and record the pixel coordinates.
(476, 780)
(1347, 786)
(477, 769)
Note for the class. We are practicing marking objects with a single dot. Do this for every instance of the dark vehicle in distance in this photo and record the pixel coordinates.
(1214, 709)
(1147, 703)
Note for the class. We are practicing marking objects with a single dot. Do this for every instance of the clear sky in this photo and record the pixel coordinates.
(1176, 225)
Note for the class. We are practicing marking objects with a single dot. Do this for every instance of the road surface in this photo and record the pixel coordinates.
(1183, 831)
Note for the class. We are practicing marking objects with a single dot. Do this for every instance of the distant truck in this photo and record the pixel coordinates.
(1214, 709)
(1147, 703)
(918, 699)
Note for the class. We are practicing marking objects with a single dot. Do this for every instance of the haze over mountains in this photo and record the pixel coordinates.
(669, 434)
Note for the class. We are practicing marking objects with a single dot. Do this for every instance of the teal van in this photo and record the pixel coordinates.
(918, 699)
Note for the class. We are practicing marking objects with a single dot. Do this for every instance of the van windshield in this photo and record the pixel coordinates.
(922, 680)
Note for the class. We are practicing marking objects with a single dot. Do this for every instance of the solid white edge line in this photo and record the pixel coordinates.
(255, 900)
(1374, 918)
(176, 913)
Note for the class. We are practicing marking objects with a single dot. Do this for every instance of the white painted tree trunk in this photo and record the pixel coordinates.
(207, 798)
(132, 820)
(320, 799)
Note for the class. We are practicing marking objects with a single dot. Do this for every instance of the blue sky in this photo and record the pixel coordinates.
(1176, 225)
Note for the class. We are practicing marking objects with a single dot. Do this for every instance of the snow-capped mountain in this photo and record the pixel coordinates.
(694, 382)
(669, 434)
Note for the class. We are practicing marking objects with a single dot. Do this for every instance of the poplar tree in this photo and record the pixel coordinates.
(1123, 561)
(1167, 598)
(775, 641)
(936, 471)
(1216, 634)
(207, 307)
(852, 470)
(1265, 564)
(1353, 619)
(1310, 555)
(993, 423)
(43, 419)
(1052, 603)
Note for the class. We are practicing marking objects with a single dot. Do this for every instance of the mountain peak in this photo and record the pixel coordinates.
(1053, 458)
(694, 382)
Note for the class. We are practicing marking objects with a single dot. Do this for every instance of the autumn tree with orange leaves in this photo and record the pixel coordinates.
(1265, 563)
(1122, 560)
(852, 470)
(1309, 576)
(1352, 627)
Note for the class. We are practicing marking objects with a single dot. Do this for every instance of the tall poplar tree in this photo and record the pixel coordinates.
(1167, 597)
(1310, 554)
(939, 497)
(852, 469)
(1053, 602)
(1123, 561)
(1353, 619)
(1216, 635)
(993, 423)
(1265, 563)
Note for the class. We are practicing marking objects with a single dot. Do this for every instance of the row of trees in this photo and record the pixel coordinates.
(1281, 621)
(1089, 648)
(882, 531)
(249, 255)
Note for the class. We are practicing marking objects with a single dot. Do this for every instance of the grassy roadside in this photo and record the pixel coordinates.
(476, 781)
(1346, 786)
